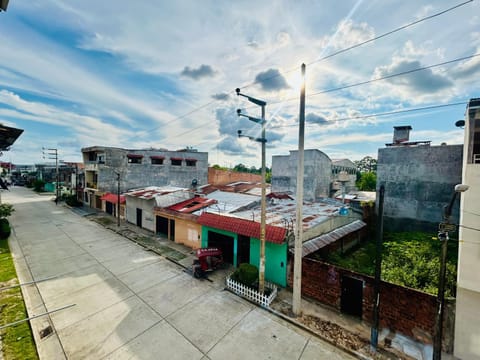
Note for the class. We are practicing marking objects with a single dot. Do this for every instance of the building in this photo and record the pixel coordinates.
(320, 174)
(467, 329)
(418, 180)
(107, 169)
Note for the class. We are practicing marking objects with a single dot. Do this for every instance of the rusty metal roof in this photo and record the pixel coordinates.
(321, 241)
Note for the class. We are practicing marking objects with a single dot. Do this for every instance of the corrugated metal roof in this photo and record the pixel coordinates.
(323, 240)
(113, 198)
(248, 228)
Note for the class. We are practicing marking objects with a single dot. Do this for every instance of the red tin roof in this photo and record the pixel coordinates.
(193, 204)
(274, 234)
(113, 198)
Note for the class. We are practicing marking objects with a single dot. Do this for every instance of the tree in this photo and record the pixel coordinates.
(367, 164)
(367, 181)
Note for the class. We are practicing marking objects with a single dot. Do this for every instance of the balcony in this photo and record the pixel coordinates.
(91, 166)
(91, 185)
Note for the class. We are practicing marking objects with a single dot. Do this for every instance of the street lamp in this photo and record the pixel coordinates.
(263, 141)
(443, 229)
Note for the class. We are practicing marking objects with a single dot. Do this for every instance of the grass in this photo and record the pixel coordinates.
(17, 340)
(409, 259)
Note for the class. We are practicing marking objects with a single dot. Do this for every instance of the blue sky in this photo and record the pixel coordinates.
(162, 74)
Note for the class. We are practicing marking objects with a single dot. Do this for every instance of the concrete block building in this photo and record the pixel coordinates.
(467, 320)
(109, 168)
(419, 179)
(320, 174)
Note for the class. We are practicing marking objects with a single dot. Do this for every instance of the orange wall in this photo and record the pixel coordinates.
(222, 177)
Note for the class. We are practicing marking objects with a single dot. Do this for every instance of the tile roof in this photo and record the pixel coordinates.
(273, 234)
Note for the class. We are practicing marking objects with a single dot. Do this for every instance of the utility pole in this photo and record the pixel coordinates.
(378, 270)
(263, 210)
(118, 199)
(443, 230)
(297, 263)
(53, 154)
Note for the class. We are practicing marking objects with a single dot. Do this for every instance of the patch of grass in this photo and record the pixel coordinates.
(17, 340)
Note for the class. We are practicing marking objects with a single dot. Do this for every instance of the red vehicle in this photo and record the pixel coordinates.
(208, 259)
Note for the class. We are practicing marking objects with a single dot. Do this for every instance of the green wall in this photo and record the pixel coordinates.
(275, 255)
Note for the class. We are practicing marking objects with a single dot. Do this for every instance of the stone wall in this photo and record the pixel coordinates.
(404, 310)
(419, 181)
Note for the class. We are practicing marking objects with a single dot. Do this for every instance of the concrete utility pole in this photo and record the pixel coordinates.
(118, 199)
(54, 155)
(378, 270)
(297, 263)
(443, 230)
(263, 211)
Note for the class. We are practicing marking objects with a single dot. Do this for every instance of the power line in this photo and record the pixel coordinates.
(347, 86)
(367, 41)
(323, 58)
(383, 114)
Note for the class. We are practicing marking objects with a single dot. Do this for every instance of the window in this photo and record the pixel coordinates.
(157, 160)
(101, 158)
(176, 161)
(191, 162)
(92, 156)
(134, 158)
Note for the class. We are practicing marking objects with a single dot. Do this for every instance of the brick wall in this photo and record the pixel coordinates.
(222, 177)
(403, 310)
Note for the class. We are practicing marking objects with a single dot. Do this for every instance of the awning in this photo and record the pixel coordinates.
(321, 241)
(113, 198)
(159, 157)
(135, 156)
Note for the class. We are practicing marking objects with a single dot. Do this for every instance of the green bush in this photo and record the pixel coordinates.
(246, 274)
(72, 200)
(4, 228)
(39, 185)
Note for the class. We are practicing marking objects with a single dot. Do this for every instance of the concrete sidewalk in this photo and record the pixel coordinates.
(131, 303)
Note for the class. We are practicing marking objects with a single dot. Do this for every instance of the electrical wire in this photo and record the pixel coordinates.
(380, 114)
(403, 27)
(321, 59)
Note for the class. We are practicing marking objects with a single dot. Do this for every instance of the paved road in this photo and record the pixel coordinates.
(131, 303)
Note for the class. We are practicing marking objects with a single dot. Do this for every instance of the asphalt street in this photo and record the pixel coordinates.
(129, 303)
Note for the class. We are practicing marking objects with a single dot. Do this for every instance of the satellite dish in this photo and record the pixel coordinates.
(194, 182)
(460, 123)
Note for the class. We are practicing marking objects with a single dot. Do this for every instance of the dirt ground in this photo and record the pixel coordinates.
(341, 337)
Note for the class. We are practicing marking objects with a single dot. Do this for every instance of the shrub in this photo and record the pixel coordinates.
(72, 200)
(6, 210)
(4, 228)
(39, 185)
(246, 274)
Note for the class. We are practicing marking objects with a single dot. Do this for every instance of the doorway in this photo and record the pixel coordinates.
(352, 296)
(139, 217)
(223, 242)
(243, 251)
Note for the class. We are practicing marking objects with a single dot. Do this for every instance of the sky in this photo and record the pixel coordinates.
(163, 74)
